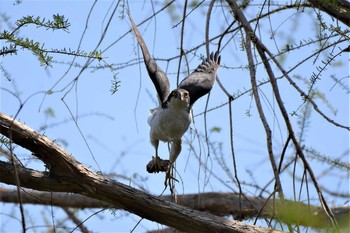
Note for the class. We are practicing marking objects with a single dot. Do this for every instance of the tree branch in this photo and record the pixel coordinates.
(80, 180)
(221, 204)
(75, 220)
(339, 9)
(261, 48)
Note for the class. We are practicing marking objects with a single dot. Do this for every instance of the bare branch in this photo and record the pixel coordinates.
(76, 221)
(261, 50)
(221, 204)
(81, 180)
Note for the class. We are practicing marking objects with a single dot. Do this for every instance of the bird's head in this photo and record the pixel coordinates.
(179, 99)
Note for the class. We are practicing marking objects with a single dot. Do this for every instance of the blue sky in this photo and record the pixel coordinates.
(115, 126)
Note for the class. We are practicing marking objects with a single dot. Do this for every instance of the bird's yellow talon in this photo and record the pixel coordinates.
(157, 165)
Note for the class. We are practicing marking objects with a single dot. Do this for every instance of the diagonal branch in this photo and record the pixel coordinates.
(81, 180)
(339, 9)
(268, 132)
(58, 161)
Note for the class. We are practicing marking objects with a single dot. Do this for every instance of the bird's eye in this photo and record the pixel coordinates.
(186, 94)
(173, 93)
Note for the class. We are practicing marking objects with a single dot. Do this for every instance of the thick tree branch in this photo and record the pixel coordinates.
(59, 199)
(339, 9)
(221, 204)
(55, 158)
(33, 179)
(80, 180)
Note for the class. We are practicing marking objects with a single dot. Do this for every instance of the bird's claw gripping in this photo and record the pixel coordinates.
(158, 165)
(168, 178)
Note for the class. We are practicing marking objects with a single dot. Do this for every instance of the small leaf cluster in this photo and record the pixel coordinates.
(57, 23)
(25, 43)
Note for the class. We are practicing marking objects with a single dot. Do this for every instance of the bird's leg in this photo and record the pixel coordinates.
(157, 164)
(174, 152)
(169, 178)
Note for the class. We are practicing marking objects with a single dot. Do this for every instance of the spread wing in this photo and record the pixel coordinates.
(157, 75)
(202, 79)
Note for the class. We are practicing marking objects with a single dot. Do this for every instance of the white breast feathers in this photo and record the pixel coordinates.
(169, 124)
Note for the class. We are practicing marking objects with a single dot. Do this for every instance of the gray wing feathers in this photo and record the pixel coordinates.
(157, 75)
(202, 79)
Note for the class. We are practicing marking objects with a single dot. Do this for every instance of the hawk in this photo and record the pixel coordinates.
(171, 119)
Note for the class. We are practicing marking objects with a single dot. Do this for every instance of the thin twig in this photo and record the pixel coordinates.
(261, 50)
(181, 42)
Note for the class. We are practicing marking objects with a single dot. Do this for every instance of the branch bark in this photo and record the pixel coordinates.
(221, 204)
(71, 176)
(339, 9)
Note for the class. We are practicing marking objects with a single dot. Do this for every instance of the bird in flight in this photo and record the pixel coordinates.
(171, 119)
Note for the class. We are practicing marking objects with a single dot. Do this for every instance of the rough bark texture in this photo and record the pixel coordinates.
(68, 175)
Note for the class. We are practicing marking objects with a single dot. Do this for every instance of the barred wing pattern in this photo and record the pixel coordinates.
(202, 79)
